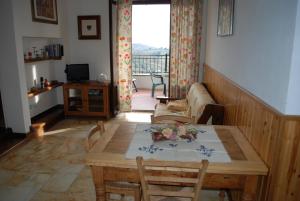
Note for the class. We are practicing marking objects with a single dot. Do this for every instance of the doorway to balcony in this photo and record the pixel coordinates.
(150, 53)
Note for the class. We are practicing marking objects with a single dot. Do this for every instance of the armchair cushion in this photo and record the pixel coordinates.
(163, 115)
(177, 105)
(197, 101)
(162, 110)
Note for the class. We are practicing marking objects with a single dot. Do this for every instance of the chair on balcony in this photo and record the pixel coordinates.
(157, 80)
(134, 86)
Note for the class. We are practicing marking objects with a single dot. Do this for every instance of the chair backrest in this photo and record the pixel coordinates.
(144, 167)
(156, 79)
(92, 137)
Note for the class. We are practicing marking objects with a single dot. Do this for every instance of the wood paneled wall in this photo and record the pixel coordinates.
(275, 137)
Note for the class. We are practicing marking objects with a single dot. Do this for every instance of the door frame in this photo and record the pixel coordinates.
(113, 90)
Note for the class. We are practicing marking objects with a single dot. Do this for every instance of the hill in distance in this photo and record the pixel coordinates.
(142, 49)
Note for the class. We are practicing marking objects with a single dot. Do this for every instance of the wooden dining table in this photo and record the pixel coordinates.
(108, 161)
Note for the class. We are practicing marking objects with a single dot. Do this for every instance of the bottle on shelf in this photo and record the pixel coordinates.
(42, 82)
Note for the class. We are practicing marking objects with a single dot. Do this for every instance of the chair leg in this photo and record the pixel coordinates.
(134, 86)
(153, 89)
(137, 195)
(165, 90)
(222, 195)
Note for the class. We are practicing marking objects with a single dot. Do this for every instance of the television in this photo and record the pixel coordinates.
(77, 72)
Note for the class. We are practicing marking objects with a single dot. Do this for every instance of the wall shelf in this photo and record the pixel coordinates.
(39, 91)
(41, 59)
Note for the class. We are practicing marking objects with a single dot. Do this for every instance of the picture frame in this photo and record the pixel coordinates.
(44, 11)
(225, 18)
(89, 27)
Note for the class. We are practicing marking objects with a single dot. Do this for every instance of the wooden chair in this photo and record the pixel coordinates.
(121, 188)
(92, 138)
(150, 193)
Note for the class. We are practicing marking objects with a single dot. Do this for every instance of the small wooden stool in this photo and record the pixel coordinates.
(123, 189)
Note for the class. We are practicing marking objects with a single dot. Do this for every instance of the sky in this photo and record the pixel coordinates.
(151, 25)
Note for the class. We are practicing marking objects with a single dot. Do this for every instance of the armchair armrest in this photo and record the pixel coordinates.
(216, 111)
(165, 99)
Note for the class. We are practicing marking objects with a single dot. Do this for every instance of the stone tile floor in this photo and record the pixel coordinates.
(52, 168)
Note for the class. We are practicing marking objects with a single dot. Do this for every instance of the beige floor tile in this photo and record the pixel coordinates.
(5, 176)
(52, 168)
(63, 178)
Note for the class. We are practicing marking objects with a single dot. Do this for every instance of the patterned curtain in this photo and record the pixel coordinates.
(124, 45)
(186, 22)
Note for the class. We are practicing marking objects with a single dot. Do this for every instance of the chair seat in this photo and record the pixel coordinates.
(122, 191)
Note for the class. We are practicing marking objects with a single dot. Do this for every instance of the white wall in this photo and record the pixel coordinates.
(26, 27)
(11, 79)
(94, 52)
(14, 85)
(45, 69)
(28, 34)
(293, 98)
(258, 55)
(17, 17)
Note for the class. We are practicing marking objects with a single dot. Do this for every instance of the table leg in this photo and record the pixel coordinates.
(99, 183)
(250, 186)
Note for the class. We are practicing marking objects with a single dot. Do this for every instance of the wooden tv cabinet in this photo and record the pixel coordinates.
(90, 98)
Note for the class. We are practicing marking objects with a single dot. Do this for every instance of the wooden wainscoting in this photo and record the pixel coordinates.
(274, 136)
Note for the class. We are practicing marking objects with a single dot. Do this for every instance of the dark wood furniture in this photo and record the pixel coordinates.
(89, 98)
(109, 163)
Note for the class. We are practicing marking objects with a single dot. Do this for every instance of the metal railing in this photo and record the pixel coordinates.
(144, 64)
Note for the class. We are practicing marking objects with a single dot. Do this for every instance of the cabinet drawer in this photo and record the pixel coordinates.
(231, 181)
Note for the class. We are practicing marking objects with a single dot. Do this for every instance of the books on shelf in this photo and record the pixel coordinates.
(54, 50)
(49, 52)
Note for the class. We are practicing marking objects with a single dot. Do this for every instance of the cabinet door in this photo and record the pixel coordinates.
(74, 99)
(95, 100)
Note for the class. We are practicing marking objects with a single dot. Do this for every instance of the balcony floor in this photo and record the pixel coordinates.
(142, 100)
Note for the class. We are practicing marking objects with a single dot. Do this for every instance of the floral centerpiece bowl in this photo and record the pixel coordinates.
(173, 132)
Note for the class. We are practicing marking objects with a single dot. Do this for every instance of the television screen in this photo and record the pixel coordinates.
(77, 72)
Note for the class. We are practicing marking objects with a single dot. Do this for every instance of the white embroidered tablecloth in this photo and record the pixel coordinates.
(207, 145)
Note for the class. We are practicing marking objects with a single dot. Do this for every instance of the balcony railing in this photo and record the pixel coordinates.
(144, 64)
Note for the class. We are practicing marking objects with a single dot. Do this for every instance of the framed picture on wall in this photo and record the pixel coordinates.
(89, 27)
(225, 18)
(44, 11)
